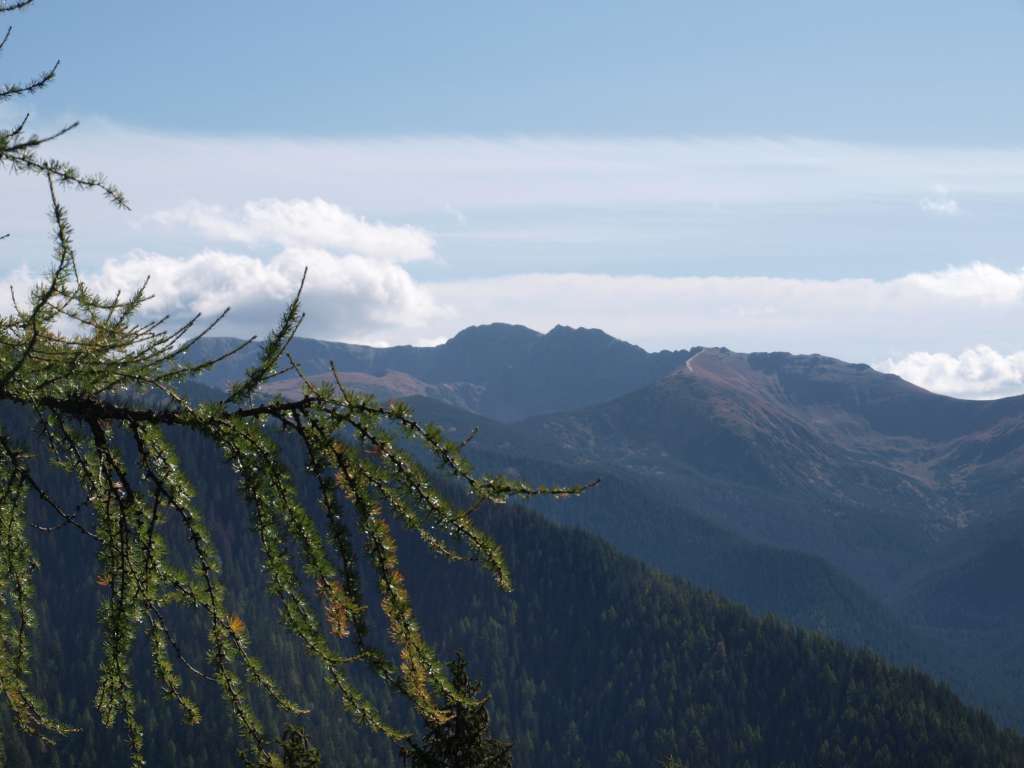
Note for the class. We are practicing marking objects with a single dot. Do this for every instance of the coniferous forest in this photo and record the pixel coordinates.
(592, 659)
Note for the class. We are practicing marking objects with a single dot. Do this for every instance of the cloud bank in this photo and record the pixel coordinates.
(349, 296)
(357, 286)
(470, 173)
(980, 372)
(403, 178)
(849, 318)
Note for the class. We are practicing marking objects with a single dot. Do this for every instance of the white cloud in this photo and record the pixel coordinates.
(941, 203)
(345, 297)
(977, 280)
(979, 372)
(356, 295)
(302, 223)
(456, 214)
(942, 207)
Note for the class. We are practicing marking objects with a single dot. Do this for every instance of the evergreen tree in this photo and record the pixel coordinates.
(105, 387)
(462, 739)
(296, 749)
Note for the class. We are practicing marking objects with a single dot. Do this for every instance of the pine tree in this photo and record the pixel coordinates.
(105, 386)
(462, 739)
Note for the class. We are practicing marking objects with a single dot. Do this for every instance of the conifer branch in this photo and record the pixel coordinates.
(6, 7)
(102, 382)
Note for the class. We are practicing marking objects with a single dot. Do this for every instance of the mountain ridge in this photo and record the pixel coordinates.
(489, 369)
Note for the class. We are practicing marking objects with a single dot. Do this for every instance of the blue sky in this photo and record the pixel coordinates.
(816, 177)
(909, 72)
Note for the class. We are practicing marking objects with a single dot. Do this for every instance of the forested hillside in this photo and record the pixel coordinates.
(592, 660)
(663, 529)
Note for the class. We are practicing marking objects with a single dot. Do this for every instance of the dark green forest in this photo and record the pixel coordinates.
(592, 660)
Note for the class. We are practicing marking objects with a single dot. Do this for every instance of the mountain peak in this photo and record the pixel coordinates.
(490, 334)
(568, 330)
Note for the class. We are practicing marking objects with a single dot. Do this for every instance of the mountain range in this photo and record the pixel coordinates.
(840, 498)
